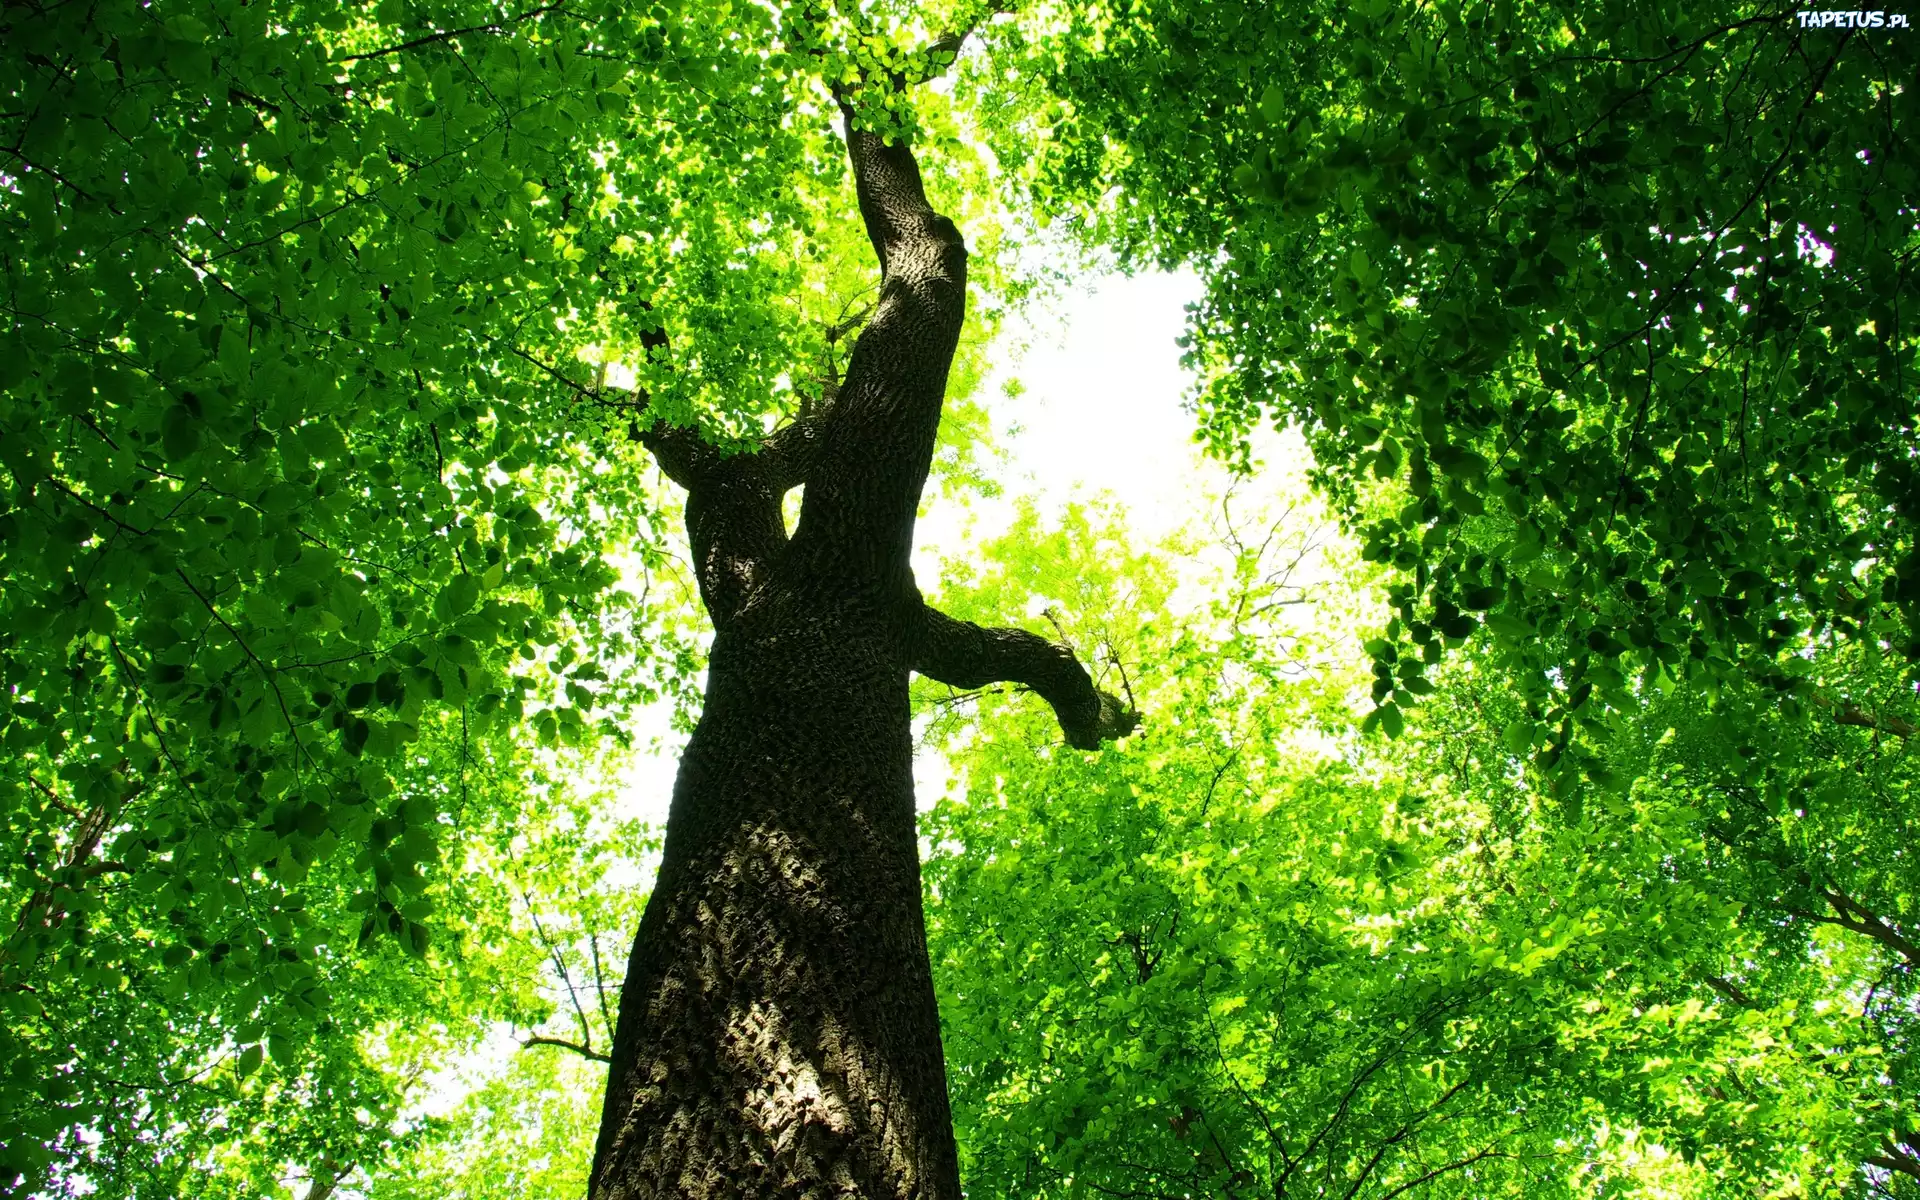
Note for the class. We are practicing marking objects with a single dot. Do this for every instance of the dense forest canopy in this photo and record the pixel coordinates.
(1520, 805)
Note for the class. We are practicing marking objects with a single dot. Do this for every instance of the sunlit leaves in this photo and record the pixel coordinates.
(1602, 297)
(308, 492)
(1230, 954)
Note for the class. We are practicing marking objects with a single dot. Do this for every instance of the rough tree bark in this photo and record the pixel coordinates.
(777, 1033)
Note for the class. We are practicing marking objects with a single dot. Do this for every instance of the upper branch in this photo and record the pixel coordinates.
(734, 526)
(1864, 921)
(681, 452)
(893, 200)
(584, 1051)
(967, 655)
(448, 35)
(789, 452)
(875, 445)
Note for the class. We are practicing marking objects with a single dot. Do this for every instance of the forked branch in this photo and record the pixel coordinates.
(1851, 914)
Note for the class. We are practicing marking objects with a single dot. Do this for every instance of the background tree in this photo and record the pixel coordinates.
(1252, 955)
(1614, 300)
(298, 512)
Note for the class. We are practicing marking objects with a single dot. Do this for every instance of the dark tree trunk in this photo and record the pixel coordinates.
(777, 1033)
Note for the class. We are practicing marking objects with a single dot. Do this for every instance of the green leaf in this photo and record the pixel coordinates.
(284, 1047)
(1509, 625)
(1391, 720)
(1518, 736)
(1273, 105)
(457, 597)
(1481, 598)
(179, 434)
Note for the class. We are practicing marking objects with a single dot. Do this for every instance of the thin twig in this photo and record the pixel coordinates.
(449, 35)
(266, 672)
(564, 1044)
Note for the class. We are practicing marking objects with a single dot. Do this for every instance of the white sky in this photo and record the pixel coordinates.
(1102, 411)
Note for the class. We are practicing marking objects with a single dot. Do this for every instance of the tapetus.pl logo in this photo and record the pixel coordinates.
(1870, 19)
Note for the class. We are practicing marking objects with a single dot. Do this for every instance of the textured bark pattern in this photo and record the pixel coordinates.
(778, 1035)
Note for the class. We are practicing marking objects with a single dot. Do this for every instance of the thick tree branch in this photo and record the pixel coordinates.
(734, 527)
(1864, 921)
(686, 458)
(44, 909)
(681, 452)
(927, 63)
(324, 1186)
(1851, 714)
(1731, 990)
(1849, 916)
(1896, 1157)
(1848, 712)
(875, 445)
(905, 231)
(966, 655)
(790, 452)
(865, 459)
(736, 532)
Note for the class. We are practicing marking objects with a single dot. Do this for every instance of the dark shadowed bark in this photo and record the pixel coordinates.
(777, 1033)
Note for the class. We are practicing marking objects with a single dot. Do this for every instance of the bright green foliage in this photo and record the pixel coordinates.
(298, 463)
(551, 907)
(325, 331)
(236, 1099)
(1237, 953)
(1745, 843)
(1609, 297)
(526, 1134)
(1807, 824)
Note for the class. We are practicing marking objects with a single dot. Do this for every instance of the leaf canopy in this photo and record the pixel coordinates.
(330, 579)
(1593, 316)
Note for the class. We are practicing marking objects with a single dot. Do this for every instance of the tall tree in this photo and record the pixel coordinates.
(309, 507)
(305, 501)
(778, 1033)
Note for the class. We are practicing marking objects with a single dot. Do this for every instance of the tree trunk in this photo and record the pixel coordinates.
(778, 1034)
(781, 1037)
